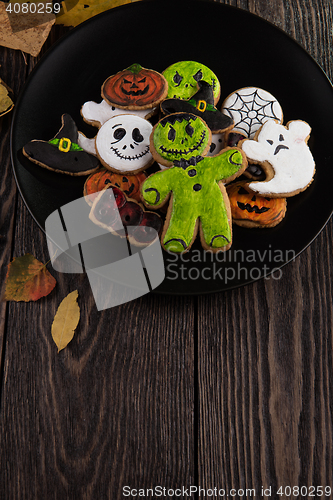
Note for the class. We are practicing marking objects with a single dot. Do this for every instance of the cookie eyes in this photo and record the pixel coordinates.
(189, 130)
(172, 134)
(136, 134)
(281, 138)
(198, 75)
(119, 133)
(177, 79)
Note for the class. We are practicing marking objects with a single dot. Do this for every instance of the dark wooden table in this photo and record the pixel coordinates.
(231, 390)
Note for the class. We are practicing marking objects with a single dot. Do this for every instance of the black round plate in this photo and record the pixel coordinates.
(243, 50)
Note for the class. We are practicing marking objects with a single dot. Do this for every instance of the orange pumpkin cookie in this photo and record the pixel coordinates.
(129, 184)
(135, 88)
(252, 210)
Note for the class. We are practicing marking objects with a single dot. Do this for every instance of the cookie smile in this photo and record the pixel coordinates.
(185, 151)
(135, 92)
(253, 208)
(124, 157)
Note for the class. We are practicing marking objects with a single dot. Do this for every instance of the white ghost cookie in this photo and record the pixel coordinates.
(98, 113)
(283, 153)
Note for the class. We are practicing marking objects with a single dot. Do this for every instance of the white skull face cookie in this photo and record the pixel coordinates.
(122, 144)
(285, 156)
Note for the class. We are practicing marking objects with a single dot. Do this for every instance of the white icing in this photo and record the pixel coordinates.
(288, 153)
(249, 108)
(88, 145)
(218, 142)
(102, 112)
(122, 143)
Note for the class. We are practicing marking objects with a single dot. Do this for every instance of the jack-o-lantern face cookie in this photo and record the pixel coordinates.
(122, 144)
(183, 77)
(251, 210)
(135, 88)
(129, 184)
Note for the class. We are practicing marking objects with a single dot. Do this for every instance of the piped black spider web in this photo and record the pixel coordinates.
(253, 110)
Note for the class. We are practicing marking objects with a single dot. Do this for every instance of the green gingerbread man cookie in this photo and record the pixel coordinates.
(198, 197)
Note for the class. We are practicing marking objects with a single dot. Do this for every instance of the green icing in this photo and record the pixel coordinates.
(182, 79)
(185, 137)
(135, 68)
(190, 203)
(74, 147)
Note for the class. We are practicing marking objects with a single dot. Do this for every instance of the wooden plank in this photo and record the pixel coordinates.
(114, 409)
(265, 355)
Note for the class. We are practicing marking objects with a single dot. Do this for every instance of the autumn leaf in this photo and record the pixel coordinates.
(6, 104)
(28, 279)
(85, 9)
(26, 32)
(66, 320)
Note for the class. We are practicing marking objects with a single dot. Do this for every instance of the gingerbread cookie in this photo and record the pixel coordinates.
(122, 144)
(253, 171)
(251, 107)
(97, 114)
(129, 184)
(200, 104)
(124, 217)
(183, 77)
(135, 88)
(62, 154)
(252, 210)
(197, 198)
(284, 154)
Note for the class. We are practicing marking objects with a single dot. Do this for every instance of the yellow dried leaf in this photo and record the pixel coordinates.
(66, 320)
(6, 104)
(85, 9)
(26, 32)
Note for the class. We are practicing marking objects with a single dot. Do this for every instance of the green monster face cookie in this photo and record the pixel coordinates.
(182, 78)
(181, 136)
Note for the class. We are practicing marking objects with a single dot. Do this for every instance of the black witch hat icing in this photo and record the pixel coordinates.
(200, 104)
(62, 153)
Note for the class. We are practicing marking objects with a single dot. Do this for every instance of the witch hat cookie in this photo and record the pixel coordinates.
(62, 153)
(200, 104)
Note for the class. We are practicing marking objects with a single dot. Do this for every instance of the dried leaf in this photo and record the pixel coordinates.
(26, 32)
(28, 279)
(66, 320)
(6, 104)
(85, 9)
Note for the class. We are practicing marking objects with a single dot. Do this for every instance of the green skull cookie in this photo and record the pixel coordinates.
(179, 136)
(183, 76)
(198, 198)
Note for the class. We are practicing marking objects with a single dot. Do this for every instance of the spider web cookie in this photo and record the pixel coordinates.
(250, 108)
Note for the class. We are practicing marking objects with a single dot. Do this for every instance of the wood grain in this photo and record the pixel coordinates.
(231, 390)
(265, 355)
(115, 408)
